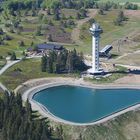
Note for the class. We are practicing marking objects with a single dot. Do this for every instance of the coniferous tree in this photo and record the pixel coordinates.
(50, 38)
(13, 56)
(120, 18)
(15, 123)
(78, 16)
(43, 64)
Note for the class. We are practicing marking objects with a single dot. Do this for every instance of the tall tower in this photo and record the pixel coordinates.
(95, 31)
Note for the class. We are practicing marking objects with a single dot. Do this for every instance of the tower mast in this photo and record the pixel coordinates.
(95, 31)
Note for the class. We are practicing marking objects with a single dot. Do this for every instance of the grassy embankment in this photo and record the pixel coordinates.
(124, 127)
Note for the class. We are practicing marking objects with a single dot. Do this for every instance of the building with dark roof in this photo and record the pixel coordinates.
(105, 51)
(45, 47)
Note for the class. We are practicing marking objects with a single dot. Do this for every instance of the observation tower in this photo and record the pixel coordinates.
(95, 31)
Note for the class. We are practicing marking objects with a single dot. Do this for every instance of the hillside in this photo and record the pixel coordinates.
(26, 23)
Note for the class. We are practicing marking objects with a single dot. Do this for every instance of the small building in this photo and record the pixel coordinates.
(105, 51)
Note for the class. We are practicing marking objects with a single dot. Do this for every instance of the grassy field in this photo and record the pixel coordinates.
(2, 63)
(21, 72)
(26, 70)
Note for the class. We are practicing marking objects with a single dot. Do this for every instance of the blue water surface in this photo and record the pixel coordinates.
(85, 105)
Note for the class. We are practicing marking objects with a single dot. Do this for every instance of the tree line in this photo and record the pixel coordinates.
(63, 62)
(120, 18)
(18, 122)
(14, 5)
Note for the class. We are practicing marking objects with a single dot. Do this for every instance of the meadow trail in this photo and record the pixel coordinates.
(76, 31)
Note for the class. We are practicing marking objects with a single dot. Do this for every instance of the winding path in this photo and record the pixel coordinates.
(76, 31)
(3, 69)
(8, 65)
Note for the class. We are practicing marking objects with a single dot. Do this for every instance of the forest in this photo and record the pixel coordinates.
(63, 62)
(14, 5)
(28, 4)
(18, 122)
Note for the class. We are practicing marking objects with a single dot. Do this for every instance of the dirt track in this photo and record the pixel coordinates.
(76, 31)
(132, 13)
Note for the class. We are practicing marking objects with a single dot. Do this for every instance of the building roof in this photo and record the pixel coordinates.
(46, 46)
(106, 49)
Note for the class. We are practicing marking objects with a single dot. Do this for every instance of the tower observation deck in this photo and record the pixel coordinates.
(95, 31)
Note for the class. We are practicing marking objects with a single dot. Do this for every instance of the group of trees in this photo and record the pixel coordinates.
(13, 56)
(113, 5)
(82, 13)
(63, 61)
(4, 37)
(18, 122)
(130, 6)
(15, 5)
(73, 4)
(120, 18)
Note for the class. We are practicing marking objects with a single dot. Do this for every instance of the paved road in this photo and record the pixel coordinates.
(8, 65)
(4, 88)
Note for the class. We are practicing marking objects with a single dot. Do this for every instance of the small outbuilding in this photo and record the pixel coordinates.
(105, 51)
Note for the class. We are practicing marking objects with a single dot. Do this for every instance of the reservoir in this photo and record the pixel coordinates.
(86, 105)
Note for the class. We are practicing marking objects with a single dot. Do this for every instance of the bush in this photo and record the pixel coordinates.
(1, 57)
(13, 56)
(21, 43)
(7, 37)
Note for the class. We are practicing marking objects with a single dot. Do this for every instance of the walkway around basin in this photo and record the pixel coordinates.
(52, 82)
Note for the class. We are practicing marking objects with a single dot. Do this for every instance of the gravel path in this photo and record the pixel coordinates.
(8, 65)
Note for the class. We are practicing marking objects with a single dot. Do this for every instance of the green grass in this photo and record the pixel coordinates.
(2, 63)
(26, 70)
(29, 69)
(111, 78)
